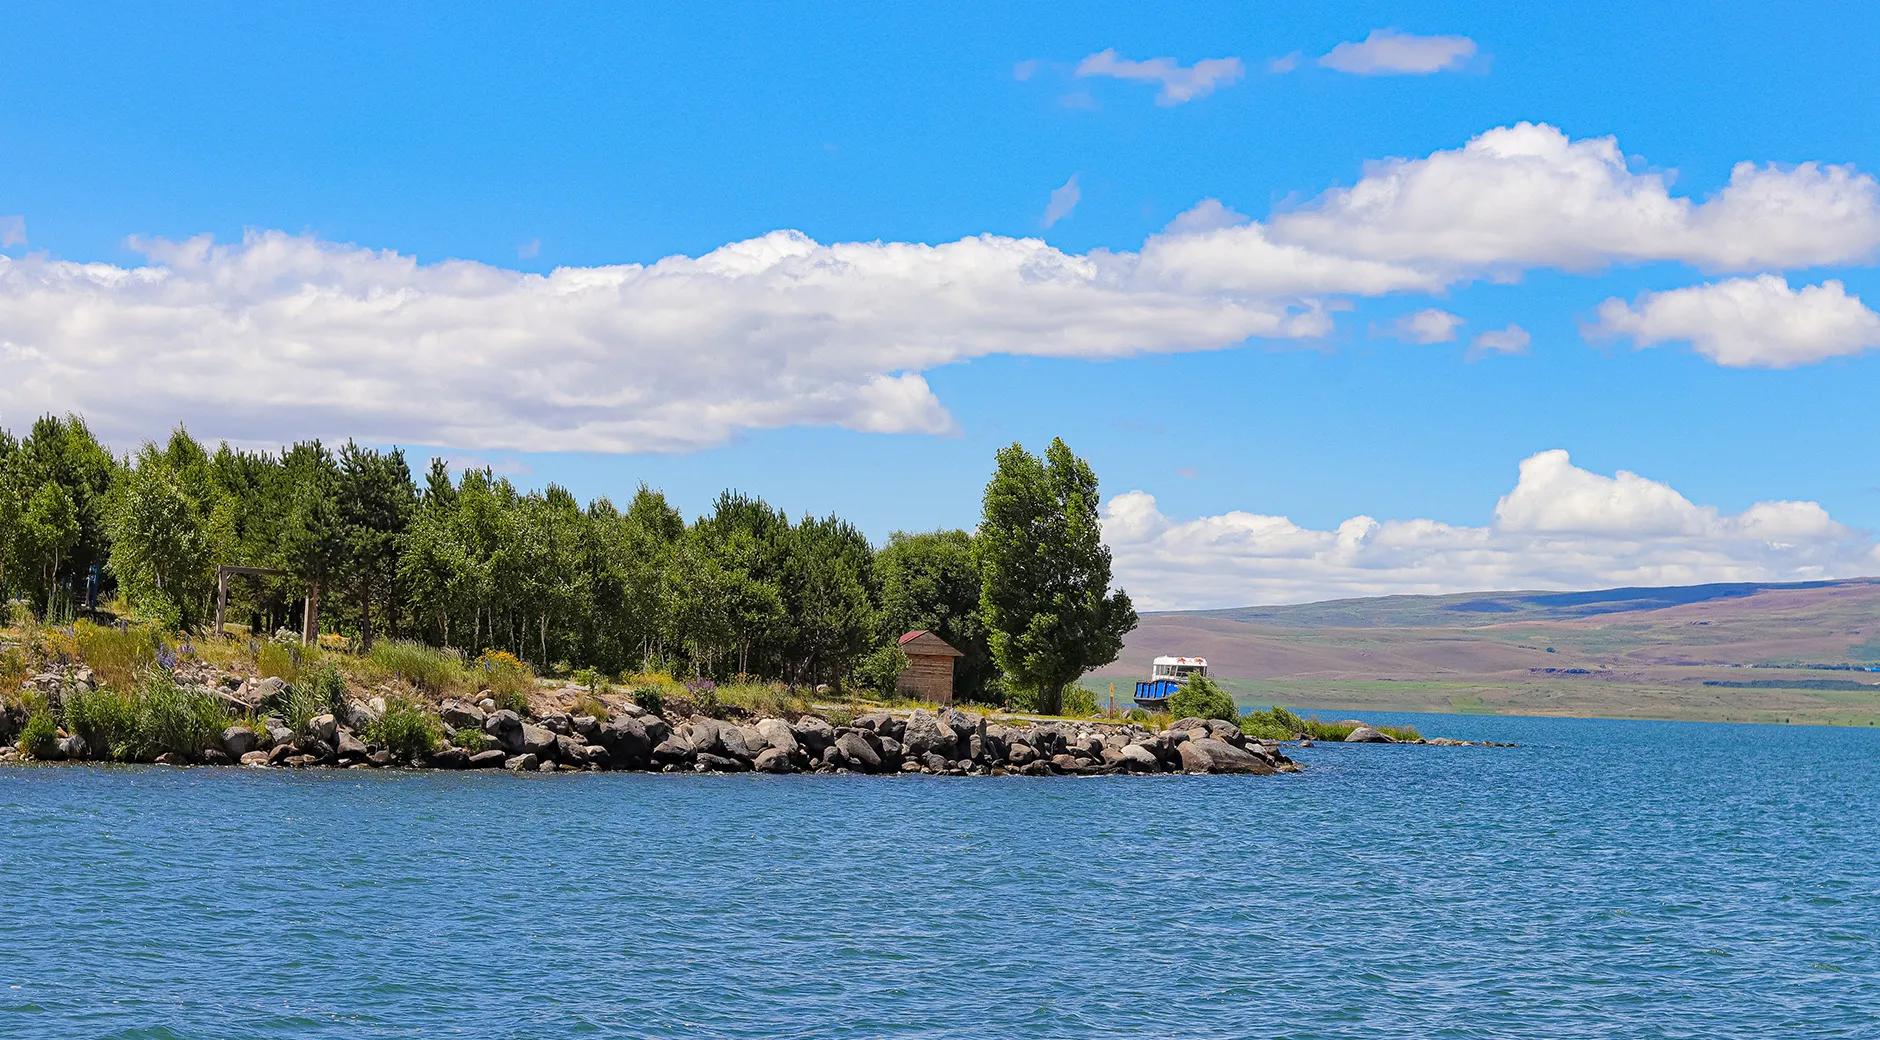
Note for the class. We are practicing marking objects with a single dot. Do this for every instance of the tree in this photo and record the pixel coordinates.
(376, 500)
(1045, 573)
(161, 524)
(828, 596)
(49, 529)
(1201, 698)
(931, 581)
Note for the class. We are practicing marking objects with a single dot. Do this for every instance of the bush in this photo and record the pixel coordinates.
(881, 670)
(508, 680)
(175, 719)
(1079, 702)
(1275, 723)
(278, 661)
(761, 699)
(472, 740)
(406, 728)
(106, 718)
(594, 679)
(322, 690)
(1201, 698)
(703, 693)
(1407, 734)
(650, 698)
(424, 667)
(115, 654)
(39, 738)
(592, 705)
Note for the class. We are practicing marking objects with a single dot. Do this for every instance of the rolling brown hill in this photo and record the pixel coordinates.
(1740, 652)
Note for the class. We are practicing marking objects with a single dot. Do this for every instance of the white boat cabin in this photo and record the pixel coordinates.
(1178, 668)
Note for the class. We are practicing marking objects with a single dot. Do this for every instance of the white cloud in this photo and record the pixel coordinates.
(1064, 199)
(281, 336)
(1285, 63)
(1510, 340)
(12, 230)
(1429, 325)
(1528, 196)
(1387, 52)
(1180, 83)
(1748, 322)
(1201, 251)
(1561, 527)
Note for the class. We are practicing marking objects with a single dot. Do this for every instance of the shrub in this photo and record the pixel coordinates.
(594, 679)
(760, 699)
(507, 679)
(115, 654)
(703, 693)
(406, 728)
(14, 668)
(278, 661)
(1079, 702)
(1275, 723)
(424, 667)
(650, 698)
(1201, 698)
(320, 691)
(471, 739)
(39, 738)
(881, 670)
(174, 718)
(1407, 734)
(106, 717)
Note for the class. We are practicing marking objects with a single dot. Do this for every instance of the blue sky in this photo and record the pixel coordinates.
(547, 137)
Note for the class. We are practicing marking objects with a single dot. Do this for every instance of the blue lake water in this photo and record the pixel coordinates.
(1606, 879)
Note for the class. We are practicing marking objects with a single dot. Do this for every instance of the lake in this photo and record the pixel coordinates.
(1604, 879)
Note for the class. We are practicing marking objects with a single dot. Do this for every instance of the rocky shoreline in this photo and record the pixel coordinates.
(481, 735)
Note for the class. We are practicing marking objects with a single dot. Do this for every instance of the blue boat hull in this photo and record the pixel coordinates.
(1154, 694)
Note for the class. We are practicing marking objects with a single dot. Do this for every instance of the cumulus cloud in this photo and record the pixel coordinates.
(1180, 83)
(280, 336)
(1510, 340)
(12, 230)
(1529, 196)
(1064, 199)
(1748, 322)
(1561, 527)
(1429, 325)
(1387, 52)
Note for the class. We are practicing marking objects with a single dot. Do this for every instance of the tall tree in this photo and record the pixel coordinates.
(376, 501)
(829, 596)
(1045, 573)
(163, 525)
(931, 581)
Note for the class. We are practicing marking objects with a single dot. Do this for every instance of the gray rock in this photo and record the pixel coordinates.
(570, 749)
(773, 760)
(459, 715)
(72, 747)
(731, 743)
(450, 758)
(523, 763)
(719, 763)
(535, 740)
(487, 759)
(1020, 753)
(778, 734)
(238, 741)
(271, 690)
(255, 758)
(1367, 735)
(671, 751)
(359, 715)
(1207, 755)
(626, 741)
(1138, 757)
(587, 727)
(754, 739)
(380, 758)
(858, 753)
(349, 746)
(925, 734)
(322, 727)
(505, 726)
(815, 734)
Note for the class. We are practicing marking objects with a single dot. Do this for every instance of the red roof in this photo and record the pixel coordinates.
(911, 636)
(929, 643)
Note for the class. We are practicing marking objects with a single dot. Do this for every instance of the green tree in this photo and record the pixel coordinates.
(49, 529)
(1045, 573)
(1202, 698)
(829, 595)
(162, 528)
(376, 500)
(931, 581)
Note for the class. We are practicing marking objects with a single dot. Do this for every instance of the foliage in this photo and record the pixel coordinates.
(426, 668)
(472, 739)
(1406, 734)
(881, 670)
(406, 728)
(1079, 702)
(15, 666)
(594, 679)
(931, 581)
(1275, 723)
(115, 654)
(592, 705)
(1045, 573)
(508, 680)
(759, 699)
(1199, 697)
(321, 690)
(175, 719)
(278, 661)
(164, 527)
(650, 698)
(39, 737)
(107, 719)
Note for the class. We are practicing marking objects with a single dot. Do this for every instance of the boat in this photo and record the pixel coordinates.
(1166, 676)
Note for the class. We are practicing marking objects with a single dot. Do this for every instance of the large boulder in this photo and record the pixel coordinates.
(626, 741)
(1207, 755)
(881, 723)
(458, 715)
(571, 750)
(671, 751)
(523, 763)
(349, 746)
(731, 743)
(857, 753)
(1020, 753)
(238, 741)
(322, 727)
(487, 759)
(1367, 735)
(779, 736)
(534, 740)
(1139, 758)
(926, 734)
(450, 758)
(505, 726)
(773, 760)
(815, 734)
(255, 759)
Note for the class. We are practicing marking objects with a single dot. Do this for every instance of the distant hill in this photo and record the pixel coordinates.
(1738, 651)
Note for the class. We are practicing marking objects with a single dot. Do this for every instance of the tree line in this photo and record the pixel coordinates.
(471, 562)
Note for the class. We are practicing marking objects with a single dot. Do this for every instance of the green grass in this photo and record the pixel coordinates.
(39, 737)
(154, 717)
(407, 729)
(508, 680)
(116, 655)
(472, 740)
(425, 668)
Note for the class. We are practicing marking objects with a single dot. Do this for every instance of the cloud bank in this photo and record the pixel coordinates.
(1561, 527)
(283, 336)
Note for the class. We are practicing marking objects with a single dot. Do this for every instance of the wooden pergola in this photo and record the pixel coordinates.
(310, 617)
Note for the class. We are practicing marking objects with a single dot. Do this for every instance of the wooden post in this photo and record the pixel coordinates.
(221, 599)
(310, 620)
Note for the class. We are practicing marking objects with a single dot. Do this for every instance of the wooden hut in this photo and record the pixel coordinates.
(929, 672)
